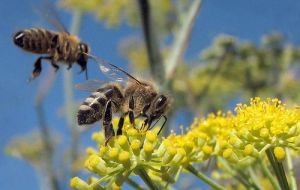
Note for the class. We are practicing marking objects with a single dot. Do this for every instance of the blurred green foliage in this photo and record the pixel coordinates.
(30, 147)
(116, 12)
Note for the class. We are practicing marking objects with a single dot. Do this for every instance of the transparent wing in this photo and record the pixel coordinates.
(91, 85)
(49, 13)
(113, 72)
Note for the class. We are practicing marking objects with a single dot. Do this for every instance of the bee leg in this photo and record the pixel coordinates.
(145, 123)
(108, 132)
(56, 67)
(82, 62)
(108, 127)
(162, 126)
(120, 125)
(130, 112)
(37, 68)
(143, 114)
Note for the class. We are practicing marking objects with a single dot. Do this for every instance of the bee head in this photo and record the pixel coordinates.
(159, 106)
(83, 47)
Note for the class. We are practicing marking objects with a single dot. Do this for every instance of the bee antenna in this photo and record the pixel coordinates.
(112, 65)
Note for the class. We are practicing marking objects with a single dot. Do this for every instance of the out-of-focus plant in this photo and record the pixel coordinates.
(246, 145)
(231, 69)
(117, 12)
(30, 147)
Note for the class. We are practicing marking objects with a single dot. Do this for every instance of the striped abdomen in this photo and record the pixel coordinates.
(92, 109)
(35, 40)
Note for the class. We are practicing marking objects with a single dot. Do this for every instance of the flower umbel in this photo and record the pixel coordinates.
(235, 140)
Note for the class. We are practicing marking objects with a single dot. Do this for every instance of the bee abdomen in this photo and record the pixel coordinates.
(35, 40)
(92, 108)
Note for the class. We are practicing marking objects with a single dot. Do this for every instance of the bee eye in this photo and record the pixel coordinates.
(160, 101)
(83, 47)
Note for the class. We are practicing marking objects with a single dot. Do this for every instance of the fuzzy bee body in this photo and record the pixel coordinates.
(58, 47)
(134, 99)
(35, 40)
(92, 109)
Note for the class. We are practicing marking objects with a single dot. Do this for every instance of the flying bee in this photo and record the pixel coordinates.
(125, 95)
(56, 47)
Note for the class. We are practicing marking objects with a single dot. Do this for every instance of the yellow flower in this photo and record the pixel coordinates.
(234, 138)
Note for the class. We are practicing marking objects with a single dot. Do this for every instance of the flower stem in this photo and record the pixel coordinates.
(42, 92)
(268, 174)
(290, 170)
(145, 177)
(156, 65)
(278, 169)
(182, 37)
(204, 178)
(254, 180)
(234, 174)
(247, 177)
(69, 98)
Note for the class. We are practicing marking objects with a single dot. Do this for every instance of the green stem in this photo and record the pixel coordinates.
(204, 178)
(254, 180)
(232, 172)
(155, 61)
(69, 98)
(278, 169)
(268, 174)
(134, 184)
(249, 179)
(182, 38)
(43, 90)
(290, 170)
(97, 187)
(145, 177)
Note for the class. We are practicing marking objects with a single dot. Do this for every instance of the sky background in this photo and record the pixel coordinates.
(247, 20)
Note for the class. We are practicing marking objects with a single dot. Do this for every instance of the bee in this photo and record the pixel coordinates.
(56, 46)
(125, 95)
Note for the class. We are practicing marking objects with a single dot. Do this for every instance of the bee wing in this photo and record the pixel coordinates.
(113, 72)
(50, 14)
(90, 85)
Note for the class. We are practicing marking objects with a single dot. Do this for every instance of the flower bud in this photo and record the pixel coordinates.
(79, 184)
(90, 151)
(135, 147)
(179, 156)
(113, 153)
(98, 165)
(124, 158)
(230, 155)
(148, 149)
(188, 147)
(123, 142)
(98, 137)
(279, 153)
(169, 155)
(207, 149)
(264, 132)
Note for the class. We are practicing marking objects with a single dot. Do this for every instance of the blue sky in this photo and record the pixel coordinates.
(248, 20)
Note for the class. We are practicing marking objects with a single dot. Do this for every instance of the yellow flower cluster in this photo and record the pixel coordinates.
(235, 138)
(254, 128)
(129, 153)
